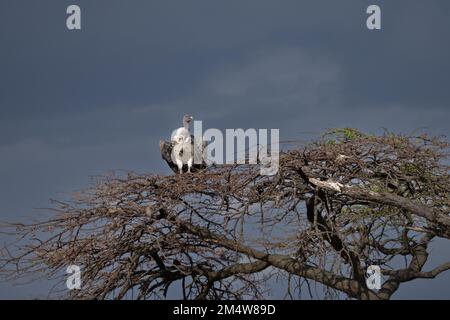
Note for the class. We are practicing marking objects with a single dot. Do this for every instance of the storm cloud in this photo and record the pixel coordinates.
(74, 104)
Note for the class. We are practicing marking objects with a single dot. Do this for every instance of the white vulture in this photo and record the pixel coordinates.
(183, 131)
(182, 151)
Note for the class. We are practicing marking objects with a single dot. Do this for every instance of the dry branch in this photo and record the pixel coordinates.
(336, 206)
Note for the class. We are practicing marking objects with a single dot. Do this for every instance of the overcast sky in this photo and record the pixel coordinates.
(74, 104)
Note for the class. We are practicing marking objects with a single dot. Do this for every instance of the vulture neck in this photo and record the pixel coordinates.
(186, 124)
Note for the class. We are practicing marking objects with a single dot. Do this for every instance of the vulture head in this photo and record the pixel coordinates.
(186, 120)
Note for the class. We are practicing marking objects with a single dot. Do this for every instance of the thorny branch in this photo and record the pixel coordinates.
(336, 206)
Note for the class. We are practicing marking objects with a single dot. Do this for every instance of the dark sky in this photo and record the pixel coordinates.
(74, 104)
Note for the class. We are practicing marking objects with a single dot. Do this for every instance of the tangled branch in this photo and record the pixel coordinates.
(336, 206)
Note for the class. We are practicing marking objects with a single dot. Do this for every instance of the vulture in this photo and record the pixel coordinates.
(183, 131)
(182, 151)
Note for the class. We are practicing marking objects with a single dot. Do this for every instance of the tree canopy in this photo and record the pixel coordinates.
(337, 205)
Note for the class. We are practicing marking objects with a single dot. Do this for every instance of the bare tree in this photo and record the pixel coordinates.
(336, 206)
